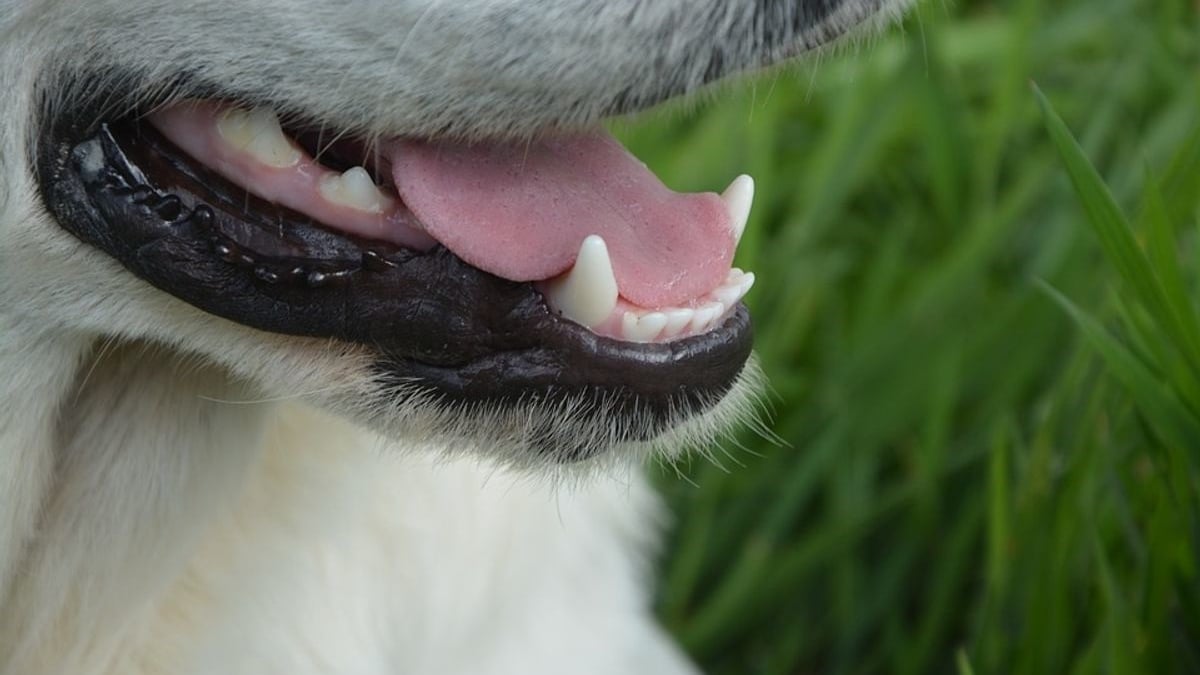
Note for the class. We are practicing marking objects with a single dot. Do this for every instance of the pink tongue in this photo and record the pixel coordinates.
(521, 212)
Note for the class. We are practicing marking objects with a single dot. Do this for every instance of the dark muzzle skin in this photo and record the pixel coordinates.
(465, 336)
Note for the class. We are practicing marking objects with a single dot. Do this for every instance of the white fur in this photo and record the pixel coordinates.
(172, 499)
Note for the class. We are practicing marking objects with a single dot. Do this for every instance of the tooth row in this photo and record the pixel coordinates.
(588, 293)
(644, 325)
(356, 189)
(258, 133)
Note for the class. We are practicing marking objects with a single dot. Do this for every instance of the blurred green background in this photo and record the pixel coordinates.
(971, 478)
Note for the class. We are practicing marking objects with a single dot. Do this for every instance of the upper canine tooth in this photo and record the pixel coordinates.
(587, 294)
(258, 132)
(739, 198)
(355, 189)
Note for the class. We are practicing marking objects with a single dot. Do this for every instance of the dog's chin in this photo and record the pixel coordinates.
(461, 355)
(561, 438)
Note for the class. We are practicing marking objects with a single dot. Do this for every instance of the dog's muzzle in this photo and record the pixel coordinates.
(491, 274)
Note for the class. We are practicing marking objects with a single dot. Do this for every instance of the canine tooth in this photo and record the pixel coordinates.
(355, 189)
(588, 293)
(677, 321)
(258, 132)
(739, 198)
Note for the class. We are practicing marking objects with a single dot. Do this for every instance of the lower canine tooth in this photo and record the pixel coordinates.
(587, 294)
(258, 132)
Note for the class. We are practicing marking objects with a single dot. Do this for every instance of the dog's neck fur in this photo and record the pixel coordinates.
(121, 456)
(39, 370)
(168, 523)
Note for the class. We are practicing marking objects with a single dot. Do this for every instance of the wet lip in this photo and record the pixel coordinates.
(436, 322)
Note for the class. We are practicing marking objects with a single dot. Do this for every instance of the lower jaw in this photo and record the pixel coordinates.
(489, 342)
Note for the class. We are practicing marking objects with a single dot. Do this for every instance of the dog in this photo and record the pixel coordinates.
(332, 334)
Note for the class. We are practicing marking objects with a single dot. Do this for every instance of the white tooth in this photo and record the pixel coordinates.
(588, 293)
(355, 189)
(728, 295)
(706, 316)
(677, 321)
(629, 322)
(735, 289)
(739, 198)
(258, 132)
(361, 190)
(747, 283)
(648, 327)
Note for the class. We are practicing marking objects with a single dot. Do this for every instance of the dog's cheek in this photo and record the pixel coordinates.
(49, 276)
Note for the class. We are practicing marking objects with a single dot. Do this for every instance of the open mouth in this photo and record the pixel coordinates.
(485, 273)
(608, 245)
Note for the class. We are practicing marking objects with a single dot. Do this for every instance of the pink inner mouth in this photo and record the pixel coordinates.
(519, 211)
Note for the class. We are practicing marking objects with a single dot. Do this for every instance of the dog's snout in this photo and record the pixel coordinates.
(466, 68)
(740, 37)
(785, 20)
(800, 12)
(786, 28)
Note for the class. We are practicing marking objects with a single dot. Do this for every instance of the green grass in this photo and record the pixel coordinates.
(985, 354)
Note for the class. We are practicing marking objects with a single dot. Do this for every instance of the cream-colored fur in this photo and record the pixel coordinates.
(273, 538)
(180, 494)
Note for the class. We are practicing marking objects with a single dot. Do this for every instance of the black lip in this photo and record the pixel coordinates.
(465, 335)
